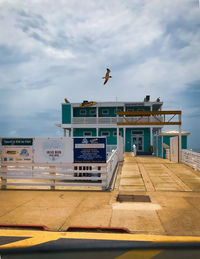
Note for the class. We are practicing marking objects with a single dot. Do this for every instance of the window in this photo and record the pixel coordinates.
(93, 112)
(82, 112)
(105, 133)
(115, 133)
(105, 111)
(87, 133)
(137, 132)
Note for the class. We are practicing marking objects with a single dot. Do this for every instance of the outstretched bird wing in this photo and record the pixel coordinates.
(106, 80)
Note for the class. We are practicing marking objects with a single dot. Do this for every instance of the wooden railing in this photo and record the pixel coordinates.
(191, 158)
(54, 175)
(111, 167)
(113, 120)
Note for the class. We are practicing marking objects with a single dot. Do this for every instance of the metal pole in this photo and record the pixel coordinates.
(64, 132)
(180, 140)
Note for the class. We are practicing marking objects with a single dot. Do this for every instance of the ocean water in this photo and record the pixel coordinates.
(195, 150)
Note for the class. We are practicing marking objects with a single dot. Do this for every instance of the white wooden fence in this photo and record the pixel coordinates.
(52, 175)
(191, 158)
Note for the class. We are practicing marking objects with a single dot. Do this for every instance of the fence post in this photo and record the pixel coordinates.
(105, 180)
(52, 181)
(4, 177)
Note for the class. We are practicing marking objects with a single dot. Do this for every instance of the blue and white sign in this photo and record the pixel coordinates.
(17, 150)
(89, 150)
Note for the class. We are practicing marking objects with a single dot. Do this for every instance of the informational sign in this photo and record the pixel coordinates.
(17, 150)
(53, 150)
(89, 150)
(17, 142)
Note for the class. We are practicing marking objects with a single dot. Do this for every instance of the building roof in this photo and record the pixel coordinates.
(173, 132)
(127, 104)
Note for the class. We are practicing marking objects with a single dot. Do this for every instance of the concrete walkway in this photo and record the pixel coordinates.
(155, 174)
(173, 189)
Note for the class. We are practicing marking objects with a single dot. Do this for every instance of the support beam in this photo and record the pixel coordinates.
(151, 136)
(149, 123)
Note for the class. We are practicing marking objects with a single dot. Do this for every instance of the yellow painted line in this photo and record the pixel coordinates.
(38, 237)
(138, 254)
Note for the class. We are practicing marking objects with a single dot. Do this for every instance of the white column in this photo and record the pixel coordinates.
(97, 115)
(117, 132)
(71, 113)
(117, 136)
(151, 136)
(70, 132)
(124, 137)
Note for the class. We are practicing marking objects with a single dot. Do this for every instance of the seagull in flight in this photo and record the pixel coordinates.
(107, 76)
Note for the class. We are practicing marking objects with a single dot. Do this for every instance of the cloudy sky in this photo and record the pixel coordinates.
(51, 49)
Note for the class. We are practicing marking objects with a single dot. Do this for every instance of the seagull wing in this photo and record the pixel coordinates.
(106, 80)
(107, 72)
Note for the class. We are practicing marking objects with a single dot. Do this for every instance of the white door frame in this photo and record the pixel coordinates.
(138, 136)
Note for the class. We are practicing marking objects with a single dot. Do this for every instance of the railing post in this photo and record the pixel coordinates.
(105, 180)
(4, 177)
(52, 180)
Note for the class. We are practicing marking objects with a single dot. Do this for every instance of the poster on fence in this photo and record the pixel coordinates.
(53, 150)
(17, 150)
(89, 150)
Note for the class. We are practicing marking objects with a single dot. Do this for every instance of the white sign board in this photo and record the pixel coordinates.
(53, 150)
(17, 154)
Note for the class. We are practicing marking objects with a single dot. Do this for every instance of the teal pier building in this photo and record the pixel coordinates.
(100, 120)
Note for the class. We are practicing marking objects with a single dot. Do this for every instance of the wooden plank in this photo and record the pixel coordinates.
(84, 178)
(147, 181)
(56, 184)
(147, 113)
(148, 123)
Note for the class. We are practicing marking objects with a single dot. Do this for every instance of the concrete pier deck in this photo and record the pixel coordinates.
(174, 207)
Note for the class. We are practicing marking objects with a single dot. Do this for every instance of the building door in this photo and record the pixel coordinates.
(139, 142)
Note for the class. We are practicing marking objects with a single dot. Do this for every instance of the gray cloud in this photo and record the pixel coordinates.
(151, 47)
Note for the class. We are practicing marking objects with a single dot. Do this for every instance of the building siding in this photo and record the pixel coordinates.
(79, 132)
(66, 113)
(128, 142)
